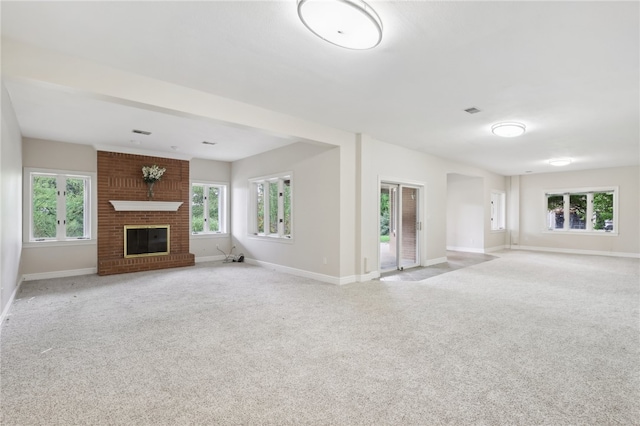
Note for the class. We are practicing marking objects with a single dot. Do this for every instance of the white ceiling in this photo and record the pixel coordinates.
(46, 112)
(568, 70)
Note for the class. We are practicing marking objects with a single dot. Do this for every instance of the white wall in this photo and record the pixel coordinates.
(495, 240)
(10, 204)
(39, 260)
(349, 208)
(382, 161)
(316, 208)
(379, 160)
(513, 211)
(532, 211)
(465, 213)
(210, 171)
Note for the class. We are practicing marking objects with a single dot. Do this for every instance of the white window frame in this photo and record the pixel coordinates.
(498, 210)
(90, 212)
(223, 210)
(589, 191)
(278, 178)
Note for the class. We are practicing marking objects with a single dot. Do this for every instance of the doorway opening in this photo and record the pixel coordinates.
(399, 226)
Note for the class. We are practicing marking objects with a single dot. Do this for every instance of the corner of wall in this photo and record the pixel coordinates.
(10, 203)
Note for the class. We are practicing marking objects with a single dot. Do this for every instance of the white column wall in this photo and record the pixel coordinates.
(465, 213)
(10, 204)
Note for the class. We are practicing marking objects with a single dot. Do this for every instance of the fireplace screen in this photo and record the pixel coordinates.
(149, 240)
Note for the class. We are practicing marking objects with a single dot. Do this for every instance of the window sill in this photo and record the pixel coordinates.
(273, 238)
(580, 232)
(205, 235)
(56, 243)
(498, 231)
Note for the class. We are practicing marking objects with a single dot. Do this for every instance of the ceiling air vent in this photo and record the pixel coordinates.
(208, 143)
(472, 110)
(141, 132)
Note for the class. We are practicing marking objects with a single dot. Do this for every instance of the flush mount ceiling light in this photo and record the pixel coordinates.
(347, 23)
(560, 162)
(508, 130)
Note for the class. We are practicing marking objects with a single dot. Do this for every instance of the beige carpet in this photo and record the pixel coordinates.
(528, 338)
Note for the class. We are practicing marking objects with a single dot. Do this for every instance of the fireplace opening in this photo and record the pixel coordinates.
(148, 240)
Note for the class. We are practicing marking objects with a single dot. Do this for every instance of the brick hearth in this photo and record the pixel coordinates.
(120, 178)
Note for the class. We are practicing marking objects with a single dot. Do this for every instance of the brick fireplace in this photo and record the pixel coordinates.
(120, 179)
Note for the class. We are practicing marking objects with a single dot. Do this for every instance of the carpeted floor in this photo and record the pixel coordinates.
(527, 338)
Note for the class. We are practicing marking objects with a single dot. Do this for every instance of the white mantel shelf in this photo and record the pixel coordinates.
(146, 206)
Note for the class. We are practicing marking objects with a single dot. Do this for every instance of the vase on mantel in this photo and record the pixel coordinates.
(150, 190)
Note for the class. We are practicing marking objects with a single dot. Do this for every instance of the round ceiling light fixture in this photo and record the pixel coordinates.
(508, 130)
(352, 24)
(559, 162)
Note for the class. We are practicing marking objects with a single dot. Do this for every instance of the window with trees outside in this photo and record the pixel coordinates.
(498, 208)
(208, 208)
(271, 206)
(584, 210)
(59, 206)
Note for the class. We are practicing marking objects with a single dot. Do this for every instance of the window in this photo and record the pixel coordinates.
(59, 205)
(498, 210)
(208, 208)
(271, 212)
(583, 210)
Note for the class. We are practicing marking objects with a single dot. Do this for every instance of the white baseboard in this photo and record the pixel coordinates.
(577, 251)
(344, 280)
(436, 261)
(59, 274)
(477, 250)
(466, 249)
(495, 249)
(210, 258)
(7, 307)
(302, 273)
(367, 277)
(328, 278)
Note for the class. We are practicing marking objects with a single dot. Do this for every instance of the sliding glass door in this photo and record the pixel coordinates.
(399, 226)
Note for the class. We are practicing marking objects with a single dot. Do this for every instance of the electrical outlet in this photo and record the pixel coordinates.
(324, 260)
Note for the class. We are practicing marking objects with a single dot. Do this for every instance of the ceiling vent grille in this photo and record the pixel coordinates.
(472, 110)
(141, 132)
